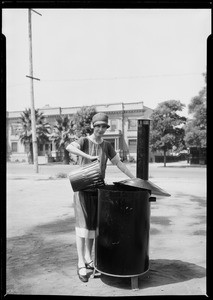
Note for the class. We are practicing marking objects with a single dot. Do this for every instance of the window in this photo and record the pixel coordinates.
(132, 145)
(132, 124)
(15, 128)
(46, 147)
(41, 147)
(14, 147)
(113, 124)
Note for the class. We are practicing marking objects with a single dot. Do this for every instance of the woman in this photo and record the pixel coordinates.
(89, 149)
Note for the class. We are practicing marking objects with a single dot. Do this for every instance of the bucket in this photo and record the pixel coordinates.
(86, 177)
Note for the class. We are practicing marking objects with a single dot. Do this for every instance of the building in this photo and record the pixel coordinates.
(122, 133)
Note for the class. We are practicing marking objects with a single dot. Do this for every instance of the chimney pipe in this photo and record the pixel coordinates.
(143, 148)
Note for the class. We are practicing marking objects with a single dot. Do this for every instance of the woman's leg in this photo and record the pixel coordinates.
(88, 249)
(80, 244)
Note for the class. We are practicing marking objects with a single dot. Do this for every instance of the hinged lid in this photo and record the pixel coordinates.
(144, 184)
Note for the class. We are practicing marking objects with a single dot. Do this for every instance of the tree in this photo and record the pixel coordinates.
(42, 130)
(167, 127)
(66, 130)
(62, 135)
(83, 119)
(196, 127)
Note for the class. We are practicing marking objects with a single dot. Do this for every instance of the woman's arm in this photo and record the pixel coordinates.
(116, 161)
(74, 150)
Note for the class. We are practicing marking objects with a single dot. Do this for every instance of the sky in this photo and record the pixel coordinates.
(98, 56)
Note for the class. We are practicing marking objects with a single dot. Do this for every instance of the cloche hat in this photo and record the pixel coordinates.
(100, 119)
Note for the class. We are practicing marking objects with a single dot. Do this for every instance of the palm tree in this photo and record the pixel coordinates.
(42, 130)
(62, 135)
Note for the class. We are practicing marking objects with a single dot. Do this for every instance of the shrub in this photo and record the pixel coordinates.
(61, 175)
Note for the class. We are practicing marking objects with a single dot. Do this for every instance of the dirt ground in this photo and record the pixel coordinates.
(41, 250)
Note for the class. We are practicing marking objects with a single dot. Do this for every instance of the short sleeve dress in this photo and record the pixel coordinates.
(85, 202)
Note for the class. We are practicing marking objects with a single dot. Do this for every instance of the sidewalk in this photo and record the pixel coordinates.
(179, 164)
(25, 170)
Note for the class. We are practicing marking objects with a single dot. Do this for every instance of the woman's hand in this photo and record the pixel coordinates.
(93, 158)
(76, 151)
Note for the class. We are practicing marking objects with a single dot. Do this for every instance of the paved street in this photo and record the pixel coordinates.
(41, 252)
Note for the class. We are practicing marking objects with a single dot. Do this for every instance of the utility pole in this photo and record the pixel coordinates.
(33, 120)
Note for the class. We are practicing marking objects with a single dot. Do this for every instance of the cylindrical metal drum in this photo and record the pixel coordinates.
(86, 177)
(122, 242)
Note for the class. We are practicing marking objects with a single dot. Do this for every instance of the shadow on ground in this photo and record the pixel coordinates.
(48, 246)
(161, 272)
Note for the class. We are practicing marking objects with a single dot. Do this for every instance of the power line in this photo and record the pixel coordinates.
(120, 77)
(107, 78)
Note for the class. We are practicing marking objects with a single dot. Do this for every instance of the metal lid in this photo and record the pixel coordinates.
(144, 184)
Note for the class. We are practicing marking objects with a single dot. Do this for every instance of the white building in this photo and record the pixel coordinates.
(122, 133)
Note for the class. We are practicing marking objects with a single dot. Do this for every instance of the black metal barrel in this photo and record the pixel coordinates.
(122, 242)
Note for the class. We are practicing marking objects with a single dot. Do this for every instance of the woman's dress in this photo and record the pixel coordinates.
(85, 202)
